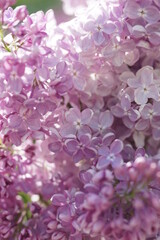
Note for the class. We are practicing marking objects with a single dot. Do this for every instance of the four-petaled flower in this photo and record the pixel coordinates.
(110, 156)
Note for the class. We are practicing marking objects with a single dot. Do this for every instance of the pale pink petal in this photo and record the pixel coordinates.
(98, 37)
(131, 9)
(140, 96)
(109, 27)
(86, 115)
(142, 125)
(73, 115)
(117, 111)
(106, 119)
(14, 120)
(152, 15)
(125, 102)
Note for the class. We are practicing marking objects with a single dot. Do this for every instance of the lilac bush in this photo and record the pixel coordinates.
(80, 122)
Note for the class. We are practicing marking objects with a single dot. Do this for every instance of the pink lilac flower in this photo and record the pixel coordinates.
(144, 86)
(77, 118)
(110, 156)
(116, 48)
(144, 9)
(80, 148)
(79, 122)
(5, 4)
(100, 29)
(125, 111)
(149, 32)
(101, 122)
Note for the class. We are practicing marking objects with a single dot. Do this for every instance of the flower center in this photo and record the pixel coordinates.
(142, 12)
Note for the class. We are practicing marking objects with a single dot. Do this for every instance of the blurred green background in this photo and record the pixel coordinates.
(35, 5)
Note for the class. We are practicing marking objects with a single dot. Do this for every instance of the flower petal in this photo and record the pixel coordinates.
(116, 146)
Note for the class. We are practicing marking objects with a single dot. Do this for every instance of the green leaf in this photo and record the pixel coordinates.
(25, 197)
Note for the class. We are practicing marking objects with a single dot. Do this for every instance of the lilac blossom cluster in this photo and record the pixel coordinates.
(80, 122)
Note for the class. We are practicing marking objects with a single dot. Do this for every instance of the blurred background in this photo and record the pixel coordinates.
(35, 5)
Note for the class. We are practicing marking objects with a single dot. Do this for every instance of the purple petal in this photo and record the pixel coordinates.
(118, 161)
(117, 111)
(59, 199)
(33, 122)
(16, 85)
(133, 115)
(118, 59)
(146, 75)
(156, 121)
(156, 107)
(85, 139)
(116, 146)
(42, 108)
(73, 115)
(64, 214)
(14, 120)
(60, 68)
(98, 38)
(71, 145)
(109, 27)
(156, 133)
(152, 15)
(103, 151)
(86, 115)
(127, 122)
(145, 112)
(89, 26)
(140, 96)
(142, 124)
(109, 51)
(79, 83)
(134, 82)
(125, 102)
(108, 138)
(42, 74)
(68, 130)
(15, 138)
(154, 38)
(55, 147)
(131, 9)
(106, 119)
(153, 93)
(90, 153)
(79, 198)
(138, 31)
(102, 162)
(78, 156)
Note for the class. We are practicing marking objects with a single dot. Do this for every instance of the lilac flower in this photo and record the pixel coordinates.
(110, 155)
(100, 29)
(79, 122)
(77, 118)
(5, 4)
(115, 50)
(100, 122)
(144, 86)
(144, 10)
(150, 33)
(125, 111)
(80, 148)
